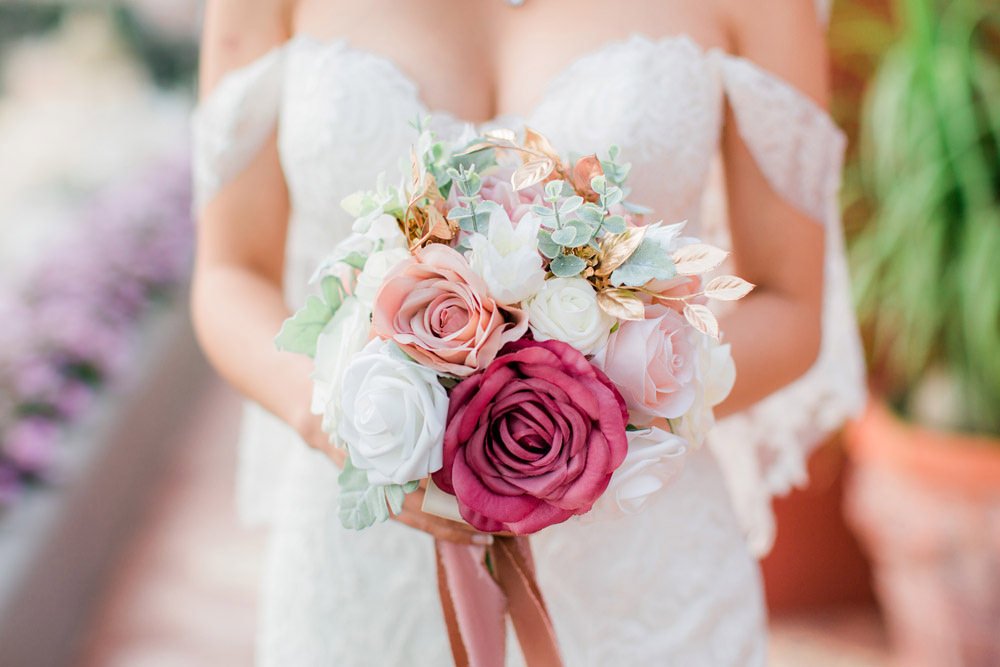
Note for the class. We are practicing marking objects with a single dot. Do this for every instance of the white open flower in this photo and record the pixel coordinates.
(717, 373)
(381, 235)
(343, 337)
(507, 257)
(393, 415)
(566, 309)
(378, 265)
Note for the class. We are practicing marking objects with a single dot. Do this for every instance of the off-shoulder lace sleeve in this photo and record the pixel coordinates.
(763, 451)
(231, 124)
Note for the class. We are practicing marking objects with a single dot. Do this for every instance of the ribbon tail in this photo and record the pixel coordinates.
(476, 602)
(474, 606)
(515, 572)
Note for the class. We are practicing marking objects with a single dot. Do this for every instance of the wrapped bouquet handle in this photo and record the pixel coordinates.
(479, 587)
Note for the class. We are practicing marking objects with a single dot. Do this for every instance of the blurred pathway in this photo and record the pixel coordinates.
(185, 591)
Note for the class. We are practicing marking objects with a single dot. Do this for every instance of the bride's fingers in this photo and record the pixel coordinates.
(443, 529)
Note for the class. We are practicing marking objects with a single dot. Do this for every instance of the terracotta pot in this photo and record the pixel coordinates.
(927, 506)
(816, 561)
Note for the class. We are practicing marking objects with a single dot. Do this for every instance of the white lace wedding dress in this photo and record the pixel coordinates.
(674, 585)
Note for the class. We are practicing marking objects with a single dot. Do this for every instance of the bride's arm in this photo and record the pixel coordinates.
(237, 303)
(775, 332)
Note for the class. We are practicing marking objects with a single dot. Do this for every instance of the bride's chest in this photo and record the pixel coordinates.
(347, 116)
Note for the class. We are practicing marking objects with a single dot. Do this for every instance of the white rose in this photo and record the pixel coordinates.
(655, 458)
(343, 337)
(717, 373)
(507, 258)
(566, 309)
(394, 412)
(378, 265)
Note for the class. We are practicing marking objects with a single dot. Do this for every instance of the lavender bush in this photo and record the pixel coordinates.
(68, 326)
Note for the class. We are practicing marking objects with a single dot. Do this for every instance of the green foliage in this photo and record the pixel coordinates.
(648, 262)
(300, 332)
(363, 504)
(925, 267)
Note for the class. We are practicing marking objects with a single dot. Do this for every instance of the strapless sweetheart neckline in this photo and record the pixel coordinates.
(563, 74)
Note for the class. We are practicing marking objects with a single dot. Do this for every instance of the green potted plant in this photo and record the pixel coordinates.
(925, 495)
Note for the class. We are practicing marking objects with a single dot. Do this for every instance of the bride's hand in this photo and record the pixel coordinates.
(310, 428)
(443, 529)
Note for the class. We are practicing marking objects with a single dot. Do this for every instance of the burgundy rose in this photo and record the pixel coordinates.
(532, 440)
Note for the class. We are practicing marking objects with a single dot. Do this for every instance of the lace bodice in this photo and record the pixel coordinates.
(343, 117)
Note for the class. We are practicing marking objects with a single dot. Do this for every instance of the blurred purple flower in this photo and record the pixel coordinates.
(69, 324)
(31, 444)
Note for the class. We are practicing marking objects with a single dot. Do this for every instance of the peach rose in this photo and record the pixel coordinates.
(438, 310)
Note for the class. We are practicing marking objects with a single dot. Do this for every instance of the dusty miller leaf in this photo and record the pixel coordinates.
(648, 262)
(299, 332)
(362, 504)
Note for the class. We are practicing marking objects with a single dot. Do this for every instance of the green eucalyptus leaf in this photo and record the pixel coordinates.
(564, 236)
(648, 262)
(459, 213)
(543, 211)
(591, 213)
(300, 331)
(613, 196)
(570, 204)
(615, 224)
(546, 245)
(567, 266)
(582, 233)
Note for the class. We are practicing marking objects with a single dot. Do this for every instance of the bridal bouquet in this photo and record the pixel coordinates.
(507, 324)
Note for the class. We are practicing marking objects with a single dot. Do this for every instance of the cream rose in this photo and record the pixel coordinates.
(655, 458)
(717, 373)
(507, 258)
(343, 337)
(393, 415)
(566, 309)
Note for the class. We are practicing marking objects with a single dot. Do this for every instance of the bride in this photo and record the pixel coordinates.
(719, 106)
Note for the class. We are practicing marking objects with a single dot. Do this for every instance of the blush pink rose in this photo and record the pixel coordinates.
(497, 188)
(653, 363)
(438, 310)
(533, 440)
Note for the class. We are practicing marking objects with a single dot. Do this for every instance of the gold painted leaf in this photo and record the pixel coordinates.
(502, 134)
(536, 141)
(617, 248)
(476, 147)
(621, 303)
(728, 288)
(702, 319)
(698, 258)
(532, 172)
(438, 226)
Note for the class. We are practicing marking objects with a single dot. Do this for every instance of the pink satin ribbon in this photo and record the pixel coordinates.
(476, 603)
